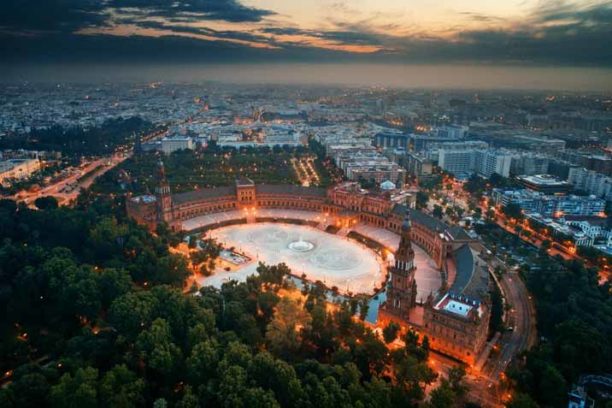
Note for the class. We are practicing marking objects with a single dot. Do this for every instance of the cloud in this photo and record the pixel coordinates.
(50, 15)
(226, 10)
(24, 16)
(555, 32)
(243, 36)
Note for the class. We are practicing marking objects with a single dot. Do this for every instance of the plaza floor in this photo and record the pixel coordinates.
(335, 261)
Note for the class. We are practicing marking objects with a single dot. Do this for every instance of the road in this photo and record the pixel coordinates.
(521, 318)
(65, 195)
(61, 190)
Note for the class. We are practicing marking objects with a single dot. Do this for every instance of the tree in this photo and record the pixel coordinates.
(112, 284)
(513, 210)
(450, 212)
(46, 203)
(74, 288)
(266, 302)
(459, 211)
(28, 390)
(278, 376)
(443, 396)
(455, 379)
(475, 185)
(120, 387)
(130, 313)
(390, 332)
(189, 400)
(521, 400)
(283, 334)
(273, 273)
(156, 348)
(437, 211)
(202, 363)
(422, 198)
(552, 389)
(364, 307)
(76, 391)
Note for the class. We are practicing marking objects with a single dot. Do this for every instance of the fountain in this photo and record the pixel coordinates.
(301, 246)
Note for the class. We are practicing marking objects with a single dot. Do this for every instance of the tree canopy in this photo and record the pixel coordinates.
(81, 328)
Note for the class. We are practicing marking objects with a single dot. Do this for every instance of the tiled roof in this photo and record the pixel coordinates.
(430, 222)
(472, 279)
(290, 189)
(203, 194)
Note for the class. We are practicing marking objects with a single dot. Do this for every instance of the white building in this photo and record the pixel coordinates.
(456, 161)
(488, 162)
(453, 131)
(529, 164)
(592, 182)
(482, 161)
(551, 206)
(172, 144)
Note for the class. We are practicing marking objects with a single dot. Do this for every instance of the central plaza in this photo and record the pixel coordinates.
(309, 252)
(334, 260)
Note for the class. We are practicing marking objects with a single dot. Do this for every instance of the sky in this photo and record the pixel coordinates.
(523, 33)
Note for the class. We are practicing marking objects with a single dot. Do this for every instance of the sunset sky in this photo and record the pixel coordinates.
(523, 32)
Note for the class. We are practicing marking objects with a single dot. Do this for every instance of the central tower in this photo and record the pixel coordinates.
(401, 292)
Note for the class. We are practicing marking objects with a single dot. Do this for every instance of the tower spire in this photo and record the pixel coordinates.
(404, 250)
(163, 196)
(401, 294)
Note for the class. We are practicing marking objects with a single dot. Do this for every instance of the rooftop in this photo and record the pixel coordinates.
(459, 308)
(457, 305)
(471, 276)
(290, 189)
(147, 198)
(543, 180)
(203, 194)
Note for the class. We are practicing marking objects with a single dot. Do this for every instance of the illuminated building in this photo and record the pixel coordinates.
(343, 206)
(401, 289)
(545, 183)
(172, 144)
(457, 322)
(466, 160)
(551, 206)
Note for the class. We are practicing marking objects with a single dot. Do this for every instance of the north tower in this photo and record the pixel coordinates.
(401, 291)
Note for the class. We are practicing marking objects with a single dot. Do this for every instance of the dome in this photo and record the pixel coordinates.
(387, 185)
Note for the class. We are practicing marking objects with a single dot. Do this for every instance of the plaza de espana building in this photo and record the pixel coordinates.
(455, 320)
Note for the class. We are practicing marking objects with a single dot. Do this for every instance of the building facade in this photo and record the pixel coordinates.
(591, 182)
(456, 322)
(172, 144)
(461, 160)
(343, 205)
(545, 183)
(551, 206)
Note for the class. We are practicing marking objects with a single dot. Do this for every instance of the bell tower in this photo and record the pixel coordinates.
(401, 291)
(163, 196)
